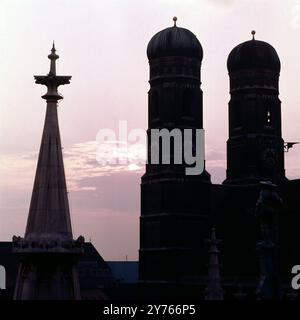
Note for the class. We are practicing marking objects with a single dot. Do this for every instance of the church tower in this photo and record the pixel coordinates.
(48, 252)
(255, 148)
(174, 205)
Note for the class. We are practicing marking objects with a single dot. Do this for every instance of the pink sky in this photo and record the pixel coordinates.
(102, 44)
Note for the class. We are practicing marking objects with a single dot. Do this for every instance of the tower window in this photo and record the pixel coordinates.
(268, 117)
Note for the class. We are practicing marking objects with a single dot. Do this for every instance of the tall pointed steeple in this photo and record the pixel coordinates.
(49, 209)
(214, 289)
(49, 253)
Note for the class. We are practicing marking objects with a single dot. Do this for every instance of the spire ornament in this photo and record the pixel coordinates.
(51, 80)
(175, 20)
(53, 57)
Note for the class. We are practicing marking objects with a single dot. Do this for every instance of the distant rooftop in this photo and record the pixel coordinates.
(124, 271)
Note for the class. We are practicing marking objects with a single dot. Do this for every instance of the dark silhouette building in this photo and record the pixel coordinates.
(174, 206)
(255, 148)
(97, 280)
(177, 211)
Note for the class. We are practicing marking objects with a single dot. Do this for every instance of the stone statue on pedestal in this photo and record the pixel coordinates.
(268, 208)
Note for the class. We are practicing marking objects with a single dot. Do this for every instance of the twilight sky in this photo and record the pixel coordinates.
(102, 44)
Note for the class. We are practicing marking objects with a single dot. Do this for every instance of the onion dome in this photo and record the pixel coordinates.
(253, 54)
(174, 41)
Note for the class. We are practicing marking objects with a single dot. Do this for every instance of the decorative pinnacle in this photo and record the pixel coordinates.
(253, 32)
(174, 19)
(51, 80)
(53, 56)
(213, 241)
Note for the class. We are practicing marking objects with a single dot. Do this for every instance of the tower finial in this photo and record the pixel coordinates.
(53, 57)
(53, 47)
(253, 32)
(51, 80)
(174, 19)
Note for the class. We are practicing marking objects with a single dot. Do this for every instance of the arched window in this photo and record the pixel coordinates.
(2, 278)
(268, 116)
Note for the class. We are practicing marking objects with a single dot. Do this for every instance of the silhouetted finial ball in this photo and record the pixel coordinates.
(174, 19)
(253, 32)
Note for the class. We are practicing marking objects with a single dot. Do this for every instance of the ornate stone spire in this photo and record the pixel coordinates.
(48, 248)
(51, 80)
(214, 289)
(49, 214)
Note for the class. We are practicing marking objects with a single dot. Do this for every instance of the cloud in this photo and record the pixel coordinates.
(18, 170)
(104, 200)
(81, 163)
(95, 184)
